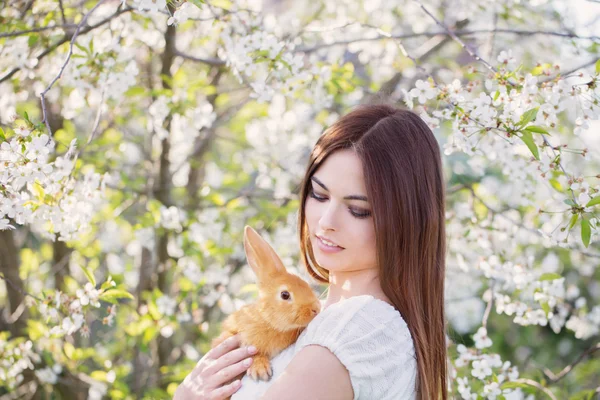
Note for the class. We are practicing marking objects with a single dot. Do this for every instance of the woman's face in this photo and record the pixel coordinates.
(337, 210)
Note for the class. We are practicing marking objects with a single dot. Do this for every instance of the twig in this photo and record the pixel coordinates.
(459, 33)
(488, 308)
(407, 55)
(465, 186)
(34, 30)
(555, 378)
(62, 11)
(537, 385)
(24, 293)
(62, 69)
(492, 37)
(575, 69)
(560, 165)
(96, 123)
(499, 213)
(220, 117)
(459, 299)
(65, 39)
(210, 61)
(471, 52)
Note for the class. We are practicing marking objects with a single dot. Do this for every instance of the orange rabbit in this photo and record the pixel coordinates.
(285, 306)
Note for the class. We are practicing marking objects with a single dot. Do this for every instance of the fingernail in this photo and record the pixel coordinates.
(251, 349)
(247, 361)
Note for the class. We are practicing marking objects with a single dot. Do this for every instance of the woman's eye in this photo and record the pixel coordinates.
(357, 214)
(363, 214)
(285, 295)
(314, 196)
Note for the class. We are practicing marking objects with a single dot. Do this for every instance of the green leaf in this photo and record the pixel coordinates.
(69, 350)
(2, 135)
(536, 129)
(99, 376)
(549, 276)
(593, 202)
(80, 47)
(537, 70)
(598, 66)
(527, 138)
(106, 285)
(89, 275)
(150, 333)
(36, 329)
(586, 232)
(514, 385)
(573, 221)
(112, 295)
(197, 3)
(135, 91)
(569, 202)
(33, 39)
(546, 308)
(528, 116)
(585, 395)
(153, 311)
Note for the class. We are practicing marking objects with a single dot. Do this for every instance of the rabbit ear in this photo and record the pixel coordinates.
(262, 258)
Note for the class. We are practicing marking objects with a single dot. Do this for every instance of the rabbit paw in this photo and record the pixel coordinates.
(260, 368)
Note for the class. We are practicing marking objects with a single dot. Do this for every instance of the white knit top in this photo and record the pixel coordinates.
(369, 337)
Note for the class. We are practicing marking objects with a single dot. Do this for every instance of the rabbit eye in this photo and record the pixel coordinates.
(285, 295)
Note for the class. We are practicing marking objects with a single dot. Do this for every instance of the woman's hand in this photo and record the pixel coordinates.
(219, 365)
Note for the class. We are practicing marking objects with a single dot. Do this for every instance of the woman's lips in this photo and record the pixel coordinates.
(326, 248)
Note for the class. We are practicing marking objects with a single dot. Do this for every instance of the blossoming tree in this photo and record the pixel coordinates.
(138, 137)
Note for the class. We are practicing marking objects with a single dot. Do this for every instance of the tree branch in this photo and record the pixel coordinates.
(535, 384)
(34, 30)
(62, 69)
(555, 378)
(62, 11)
(488, 308)
(476, 56)
(216, 62)
(575, 69)
(65, 39)
(471, 52)
(457, 33)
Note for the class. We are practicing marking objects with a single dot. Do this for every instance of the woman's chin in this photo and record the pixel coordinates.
(328, 262)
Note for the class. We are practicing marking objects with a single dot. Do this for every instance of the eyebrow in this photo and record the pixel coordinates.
(351, 197)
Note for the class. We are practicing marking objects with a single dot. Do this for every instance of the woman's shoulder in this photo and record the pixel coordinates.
(362, 311)
(356, 317)
(373, 342)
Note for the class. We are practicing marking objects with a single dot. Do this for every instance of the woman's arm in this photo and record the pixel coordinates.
(314, 373)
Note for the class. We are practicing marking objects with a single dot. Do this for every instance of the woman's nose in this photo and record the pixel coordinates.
(327, 220)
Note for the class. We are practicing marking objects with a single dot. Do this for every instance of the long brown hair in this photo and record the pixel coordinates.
(404, 181)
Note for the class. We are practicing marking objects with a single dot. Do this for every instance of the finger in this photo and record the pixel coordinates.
(225, 391)
(225, 347)
(228, 359)
(230, 372)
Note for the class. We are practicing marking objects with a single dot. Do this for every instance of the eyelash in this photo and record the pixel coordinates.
(312, 194)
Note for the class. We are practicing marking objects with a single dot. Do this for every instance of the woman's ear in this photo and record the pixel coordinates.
(263, 260)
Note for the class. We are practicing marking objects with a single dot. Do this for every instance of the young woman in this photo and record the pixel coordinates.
(372, 228)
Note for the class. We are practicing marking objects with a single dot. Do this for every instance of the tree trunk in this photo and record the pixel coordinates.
(9, 268)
